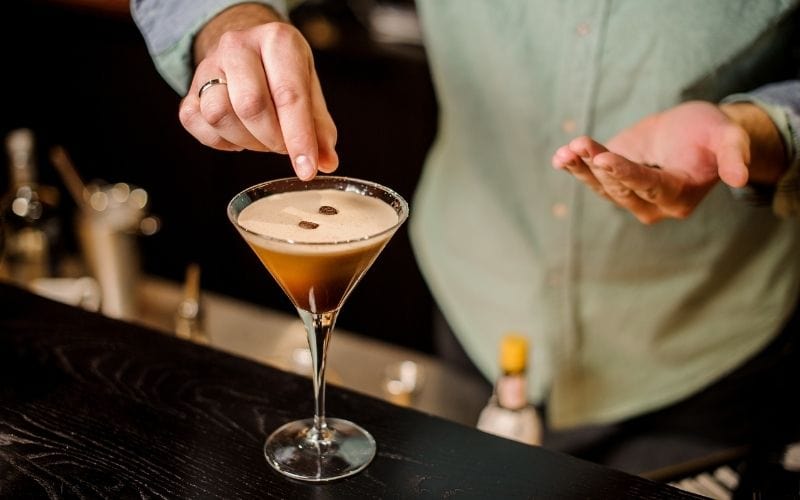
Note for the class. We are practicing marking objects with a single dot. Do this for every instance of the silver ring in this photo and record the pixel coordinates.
(209, 84)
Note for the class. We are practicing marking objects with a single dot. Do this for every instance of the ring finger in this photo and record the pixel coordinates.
(195, 124)
(216, 109)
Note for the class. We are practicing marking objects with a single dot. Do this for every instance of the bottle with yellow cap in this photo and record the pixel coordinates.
(508, 413)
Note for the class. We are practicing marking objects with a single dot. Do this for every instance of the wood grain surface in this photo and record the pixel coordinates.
(96, 408)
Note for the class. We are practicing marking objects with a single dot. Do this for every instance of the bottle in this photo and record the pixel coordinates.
(29, 219)
(508, 413)
(189, 317)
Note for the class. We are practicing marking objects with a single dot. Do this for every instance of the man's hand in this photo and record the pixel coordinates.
(663, 166)
(271, 99)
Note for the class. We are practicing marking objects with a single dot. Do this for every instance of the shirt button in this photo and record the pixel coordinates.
(569, 126)
(582, 29)
(559, 210)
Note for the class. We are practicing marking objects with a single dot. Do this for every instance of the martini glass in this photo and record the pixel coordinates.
(317, 239)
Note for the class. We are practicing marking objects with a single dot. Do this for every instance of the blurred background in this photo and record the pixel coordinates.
(77, 73)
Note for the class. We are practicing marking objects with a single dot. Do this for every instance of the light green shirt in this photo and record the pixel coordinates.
(624, 318)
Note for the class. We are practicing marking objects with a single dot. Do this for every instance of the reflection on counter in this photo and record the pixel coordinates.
(403, 381)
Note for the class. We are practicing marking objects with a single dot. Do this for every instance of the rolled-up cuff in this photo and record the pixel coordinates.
(785, 196)
(169, 29)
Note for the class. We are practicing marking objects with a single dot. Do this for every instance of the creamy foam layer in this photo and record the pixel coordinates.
(280, 216)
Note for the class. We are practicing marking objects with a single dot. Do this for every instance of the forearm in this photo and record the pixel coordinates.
(768, 156)
(780, 101)
(237, 17)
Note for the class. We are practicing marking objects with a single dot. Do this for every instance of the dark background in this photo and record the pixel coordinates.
(81, 77)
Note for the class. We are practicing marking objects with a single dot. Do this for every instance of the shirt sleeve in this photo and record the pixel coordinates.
(781, 101)
(169, 28)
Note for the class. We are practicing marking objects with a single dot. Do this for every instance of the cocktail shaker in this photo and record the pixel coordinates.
(108, 228)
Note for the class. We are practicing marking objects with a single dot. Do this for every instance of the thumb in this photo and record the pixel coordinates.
(733, 156)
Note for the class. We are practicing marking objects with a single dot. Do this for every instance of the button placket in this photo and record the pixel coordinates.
(578, 77)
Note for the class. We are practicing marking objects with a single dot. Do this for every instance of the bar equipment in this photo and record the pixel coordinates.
(109, 220)
(189, 317)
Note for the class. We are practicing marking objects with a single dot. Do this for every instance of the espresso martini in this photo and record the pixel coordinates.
(318, 243)
(317, 238)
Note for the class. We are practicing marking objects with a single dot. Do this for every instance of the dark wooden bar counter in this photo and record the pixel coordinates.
(96, 408)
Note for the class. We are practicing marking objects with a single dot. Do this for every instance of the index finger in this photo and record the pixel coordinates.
(650, 183)
(287, 61)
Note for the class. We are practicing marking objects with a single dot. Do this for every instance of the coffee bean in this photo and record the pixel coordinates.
(327, 210)
(305, 224)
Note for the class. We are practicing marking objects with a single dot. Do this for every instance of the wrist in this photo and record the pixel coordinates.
(237, 17)
(768, 160)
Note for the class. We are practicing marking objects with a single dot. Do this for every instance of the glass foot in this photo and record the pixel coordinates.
(342, 449)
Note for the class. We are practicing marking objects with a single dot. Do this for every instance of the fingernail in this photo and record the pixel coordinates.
(304, 168)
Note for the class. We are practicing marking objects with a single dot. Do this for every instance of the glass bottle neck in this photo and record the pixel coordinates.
(21, 162)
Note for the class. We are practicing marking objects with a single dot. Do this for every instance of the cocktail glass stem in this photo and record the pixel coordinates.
(318, 328)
